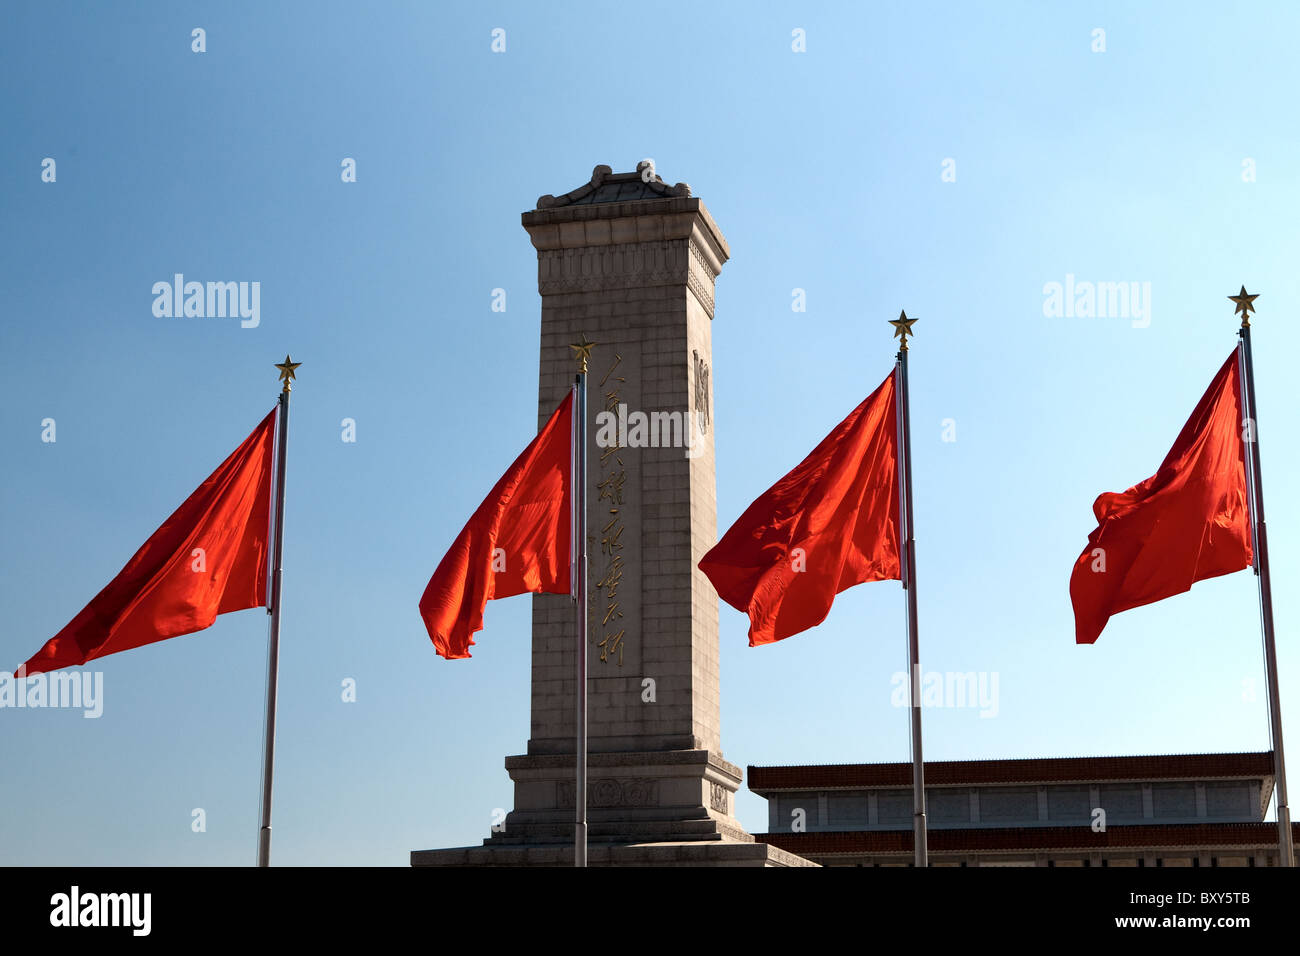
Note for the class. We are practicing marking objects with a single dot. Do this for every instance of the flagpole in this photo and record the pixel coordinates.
(287, 369)
(902, 329)
(1286, 850)
(579, 550)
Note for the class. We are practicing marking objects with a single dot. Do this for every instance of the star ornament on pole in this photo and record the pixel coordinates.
(287, 369)
(582, 352)
(903, 328)
(1245, 305)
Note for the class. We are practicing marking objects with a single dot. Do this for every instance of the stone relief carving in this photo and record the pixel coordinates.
(701, 277)
(608, 792)
(701, 391)
(625, 266)
(718, 797)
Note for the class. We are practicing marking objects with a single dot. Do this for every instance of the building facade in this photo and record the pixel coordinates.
(1163, 811)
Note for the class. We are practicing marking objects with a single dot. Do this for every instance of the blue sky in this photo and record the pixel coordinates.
(824, 171)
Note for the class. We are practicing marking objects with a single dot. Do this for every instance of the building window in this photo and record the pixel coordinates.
(894, 806)
(948, 806)
(1122, 802)
(1068, 803)
(1176, 800)
(848, 810)
(1008, 804)
(787, 803)
(1228, 800)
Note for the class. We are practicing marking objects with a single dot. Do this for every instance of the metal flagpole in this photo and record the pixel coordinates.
(582, 351)
(902, 329)
(287, 369)
(1245, 306)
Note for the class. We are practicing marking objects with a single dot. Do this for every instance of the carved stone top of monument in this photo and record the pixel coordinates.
(614, 209)
(609, 186)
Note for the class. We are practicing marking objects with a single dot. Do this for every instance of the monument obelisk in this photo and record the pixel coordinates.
(630, 263)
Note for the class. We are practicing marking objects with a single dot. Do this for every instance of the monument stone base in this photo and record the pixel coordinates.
(695, 853)
(669, 808)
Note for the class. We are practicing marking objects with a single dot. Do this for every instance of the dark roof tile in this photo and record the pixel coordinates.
(1031, 770)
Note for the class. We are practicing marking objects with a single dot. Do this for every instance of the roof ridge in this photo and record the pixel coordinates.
(906, 763)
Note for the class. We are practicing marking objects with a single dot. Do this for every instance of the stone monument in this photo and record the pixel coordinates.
(630, 262)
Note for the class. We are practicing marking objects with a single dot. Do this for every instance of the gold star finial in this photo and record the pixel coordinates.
(582, 352)
(903, 328)
(1245, 305)
(287, 369)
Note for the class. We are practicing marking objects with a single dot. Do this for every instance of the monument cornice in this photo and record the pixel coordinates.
(640, 759)
(615, 223)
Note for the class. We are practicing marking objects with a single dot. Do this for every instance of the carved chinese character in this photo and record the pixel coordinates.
(610, 542)
(613, 575)
(618, 359)
(612, 487)
(612, 643)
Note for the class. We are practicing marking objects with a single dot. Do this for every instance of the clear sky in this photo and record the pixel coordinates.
(825, 171)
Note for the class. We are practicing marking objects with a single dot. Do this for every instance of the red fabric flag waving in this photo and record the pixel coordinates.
(829, 524)
(1187, 522)
(208, 558)
(517, 542)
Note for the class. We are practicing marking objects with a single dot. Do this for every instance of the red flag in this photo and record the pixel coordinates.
(1187, 522)
(517, 542)
(829, 524)
(208, 558)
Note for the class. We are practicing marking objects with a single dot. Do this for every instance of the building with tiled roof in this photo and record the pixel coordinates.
(1163, 810)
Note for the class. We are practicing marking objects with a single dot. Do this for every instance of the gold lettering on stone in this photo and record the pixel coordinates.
(613, 477)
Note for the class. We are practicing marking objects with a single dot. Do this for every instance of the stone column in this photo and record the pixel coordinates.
(630, 263)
